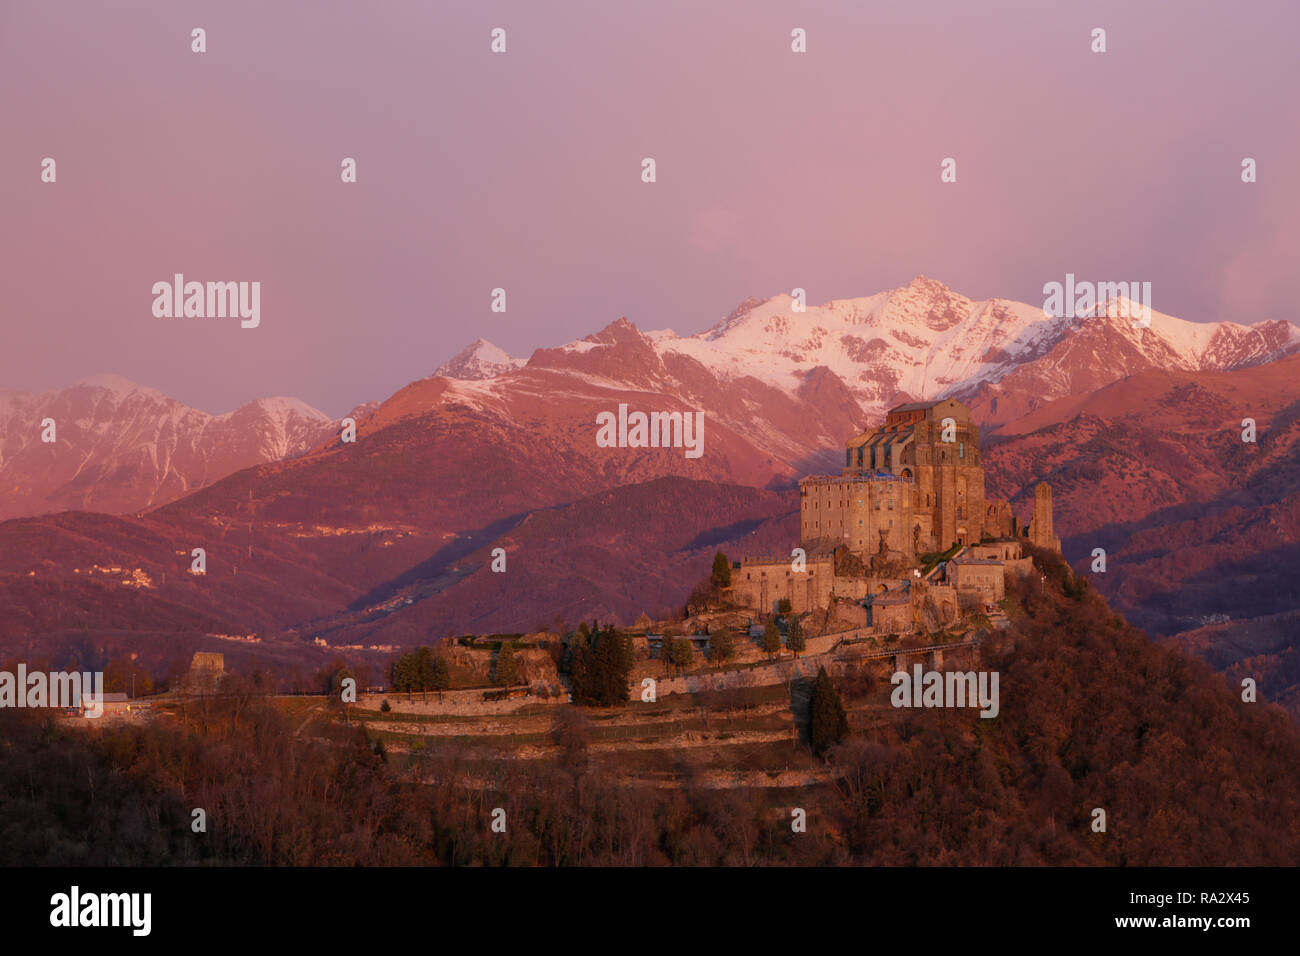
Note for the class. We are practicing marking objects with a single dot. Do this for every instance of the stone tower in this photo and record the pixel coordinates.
(1040, 528)
(205, 673)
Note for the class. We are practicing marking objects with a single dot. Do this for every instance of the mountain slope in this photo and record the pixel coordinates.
(781, 390)
(610, 556)
(1201, 531)
(389, 538)
(1107, 347)
(121, 447)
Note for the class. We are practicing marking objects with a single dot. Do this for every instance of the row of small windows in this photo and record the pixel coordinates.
(889, 502)
(817, 524)
(881, 460)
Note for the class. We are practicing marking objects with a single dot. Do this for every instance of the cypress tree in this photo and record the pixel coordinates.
(423, 669)
(599, 675)
(829, 723)
(578, 643)
(681, 653)
(721, 576)
(612, 667)
(794, 638)
(579, 669)
(403, 668)
(771, 638)
(441, 679)
(507, 674)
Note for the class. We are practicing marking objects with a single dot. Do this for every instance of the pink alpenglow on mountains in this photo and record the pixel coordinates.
(122, 447)
(780, 389)
(918, 342)
(446, 470)
(478, 360)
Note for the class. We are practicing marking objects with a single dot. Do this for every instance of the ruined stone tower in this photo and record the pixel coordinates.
(205, 673)
(1040, 528)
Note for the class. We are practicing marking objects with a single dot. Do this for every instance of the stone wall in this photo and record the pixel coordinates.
(854, 510)
(978, 581)
(455, 703)
(760, 676)
(759, 583)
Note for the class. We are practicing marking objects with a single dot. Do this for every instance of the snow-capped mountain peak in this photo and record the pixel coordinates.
(123, 447)
(479, 360)
(120, 387)
(924, 340)
(281, 408)
(917, 340)
(1176, 343)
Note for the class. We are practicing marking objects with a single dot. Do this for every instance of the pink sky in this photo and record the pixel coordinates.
(522, 170)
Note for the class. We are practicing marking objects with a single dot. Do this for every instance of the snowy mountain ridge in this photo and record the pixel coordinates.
(921, 341)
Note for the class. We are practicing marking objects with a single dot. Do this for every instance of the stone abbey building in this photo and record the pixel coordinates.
(912, 486)
(915, 482)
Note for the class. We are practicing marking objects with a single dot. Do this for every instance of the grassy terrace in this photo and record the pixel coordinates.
(768, 712)
(931, 559)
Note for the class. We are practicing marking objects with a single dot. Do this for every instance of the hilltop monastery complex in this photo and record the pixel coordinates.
(912, 488)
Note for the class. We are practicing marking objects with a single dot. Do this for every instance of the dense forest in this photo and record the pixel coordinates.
(1093, 715)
